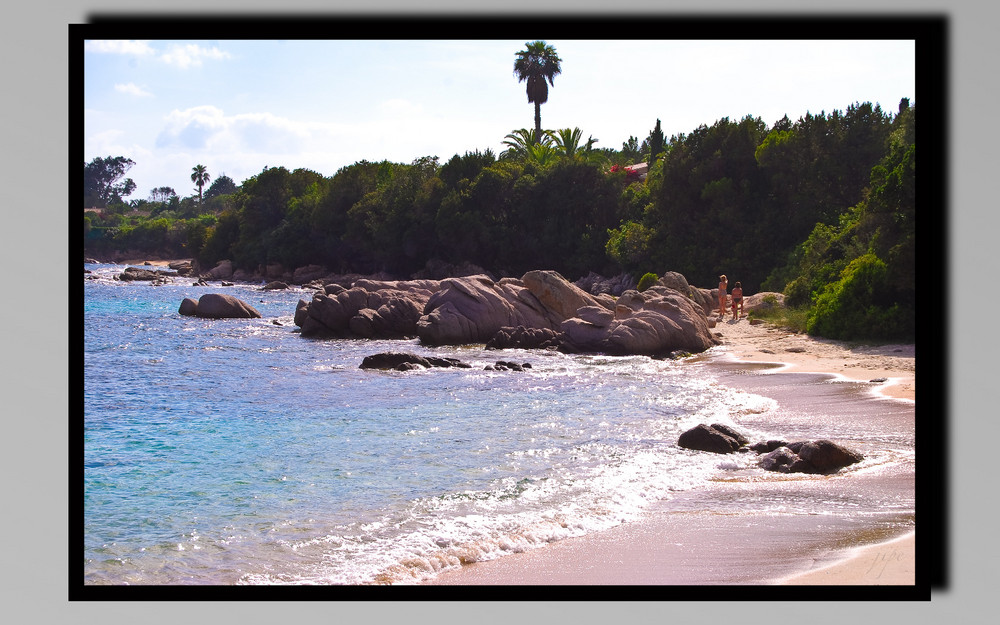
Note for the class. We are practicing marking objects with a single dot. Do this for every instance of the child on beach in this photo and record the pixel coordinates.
(737, 299)
(723, 283)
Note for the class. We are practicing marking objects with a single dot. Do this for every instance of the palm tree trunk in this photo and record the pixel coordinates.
(538, 122)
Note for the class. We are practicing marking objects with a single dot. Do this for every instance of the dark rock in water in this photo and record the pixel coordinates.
(764, 447)
(135, 273)
(276, 285)
(822, 456)
(731, 433)
(707, 438)
(826, 456)
(182, 267)
(521, 337)
(218, 306)
(189, 307)
(778, 460)
(404, 361)
(503, 365)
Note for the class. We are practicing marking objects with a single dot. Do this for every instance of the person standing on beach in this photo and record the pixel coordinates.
(723, 283)
(737, 299)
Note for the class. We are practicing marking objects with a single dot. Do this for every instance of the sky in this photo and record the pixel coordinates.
(238, 107)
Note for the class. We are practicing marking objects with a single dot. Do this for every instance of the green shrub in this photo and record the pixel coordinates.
(647, 281)
(854, 307)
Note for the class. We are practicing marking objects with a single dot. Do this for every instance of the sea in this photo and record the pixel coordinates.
(237, 452)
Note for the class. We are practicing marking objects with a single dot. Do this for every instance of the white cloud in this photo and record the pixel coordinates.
(191, 55)
(133, 89)
(136, 48)
(209, 128)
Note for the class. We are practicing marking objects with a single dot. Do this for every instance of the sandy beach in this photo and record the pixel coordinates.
(667, 548)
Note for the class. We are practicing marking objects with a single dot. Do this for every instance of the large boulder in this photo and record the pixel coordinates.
(223, 270)
(218, 306)
(560, 296)
(189, 307)
(826, 456)
(473, 309)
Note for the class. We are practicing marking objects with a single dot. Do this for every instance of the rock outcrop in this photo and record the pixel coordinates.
(540, 310)
(659, 320)
(369, 309)
(218, 306)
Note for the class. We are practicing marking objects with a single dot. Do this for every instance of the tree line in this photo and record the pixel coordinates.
(790, 208)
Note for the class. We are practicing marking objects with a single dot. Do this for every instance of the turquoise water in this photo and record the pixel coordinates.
(237, 452)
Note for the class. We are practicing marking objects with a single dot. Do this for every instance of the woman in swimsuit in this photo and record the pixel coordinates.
(722, 295)
(737, 299)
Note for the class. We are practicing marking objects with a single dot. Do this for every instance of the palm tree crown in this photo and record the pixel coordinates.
(538, 64)
(200, 178)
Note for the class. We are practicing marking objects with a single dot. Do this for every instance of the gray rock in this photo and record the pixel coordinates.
(219, 306)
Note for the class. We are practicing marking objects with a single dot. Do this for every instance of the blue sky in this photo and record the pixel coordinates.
(240, 106)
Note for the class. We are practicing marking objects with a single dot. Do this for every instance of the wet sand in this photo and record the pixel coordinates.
(721, 535)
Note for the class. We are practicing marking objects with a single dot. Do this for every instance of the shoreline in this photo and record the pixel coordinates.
(837, 560)
(665, 547)
(792, 352)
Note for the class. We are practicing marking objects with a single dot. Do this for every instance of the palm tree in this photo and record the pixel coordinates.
(543, 153)
(200, 178)
(536, 65)
(520, 141)
(567, 143)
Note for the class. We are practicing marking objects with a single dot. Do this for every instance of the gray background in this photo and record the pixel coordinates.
(38, 338)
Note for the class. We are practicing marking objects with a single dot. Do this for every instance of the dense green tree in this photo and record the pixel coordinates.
(630, 152)
(102, 181)
(223, 185)
(537, 65)
(465, 167)
(655, 143)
